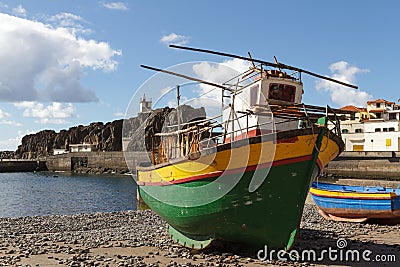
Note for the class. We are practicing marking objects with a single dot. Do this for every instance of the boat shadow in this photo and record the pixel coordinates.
(331, 249)
(317, 247)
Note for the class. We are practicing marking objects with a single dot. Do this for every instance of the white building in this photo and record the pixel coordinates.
(59, 151)
(374, 128)
(85, 147)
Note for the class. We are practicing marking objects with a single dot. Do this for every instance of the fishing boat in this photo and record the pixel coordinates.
(244, 178)
(356, 203)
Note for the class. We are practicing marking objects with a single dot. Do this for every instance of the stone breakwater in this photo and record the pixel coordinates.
(139, 238)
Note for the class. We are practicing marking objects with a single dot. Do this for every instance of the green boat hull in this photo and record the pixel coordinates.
(268, 216)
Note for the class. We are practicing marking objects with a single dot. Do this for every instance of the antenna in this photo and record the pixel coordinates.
(251, 59)
(270, 64)
(277, 63)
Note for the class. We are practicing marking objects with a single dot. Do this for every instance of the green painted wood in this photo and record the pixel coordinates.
(193, 242)
(267, 216)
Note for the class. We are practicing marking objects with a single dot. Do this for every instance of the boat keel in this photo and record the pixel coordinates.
(189, 241)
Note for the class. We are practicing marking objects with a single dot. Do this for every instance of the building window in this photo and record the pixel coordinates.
(377, 129)
(352, 116)
(358, 130)
(385, 129)
(378, 115)
(358, 147)
(392, 116)
(391, 129)
(388, 142)
(378, 105)
(345, 131)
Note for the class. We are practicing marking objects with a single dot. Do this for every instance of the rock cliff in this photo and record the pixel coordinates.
(105, 137)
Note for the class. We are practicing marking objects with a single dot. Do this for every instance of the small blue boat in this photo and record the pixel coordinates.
(356, 203)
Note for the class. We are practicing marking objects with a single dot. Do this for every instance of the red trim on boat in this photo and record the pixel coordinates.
(251, 133)
(233, 171)
(258, 132)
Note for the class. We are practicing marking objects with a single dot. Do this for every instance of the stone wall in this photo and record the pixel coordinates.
(95, 162)
(22, 165)
(366, 165)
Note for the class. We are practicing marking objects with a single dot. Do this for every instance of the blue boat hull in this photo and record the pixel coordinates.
(356, 203)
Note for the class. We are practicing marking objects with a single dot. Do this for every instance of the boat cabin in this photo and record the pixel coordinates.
(247, 114)
(251, 114)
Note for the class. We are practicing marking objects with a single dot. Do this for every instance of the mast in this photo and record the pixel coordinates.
(278, 65)
(178, 98)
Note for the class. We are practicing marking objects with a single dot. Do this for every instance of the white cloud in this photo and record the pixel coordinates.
(56, 113)
(9, 122)
(219, 73)
(19, 11)
(2, 5)
(340, 94)
(238, 64)
(69, 21)
(12, 143)
(175, 39)
(119, 114)
(4, 114)
(116, 6)
(4, 119)
(46, 63)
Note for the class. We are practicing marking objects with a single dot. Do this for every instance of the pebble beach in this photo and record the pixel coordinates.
(139, 238)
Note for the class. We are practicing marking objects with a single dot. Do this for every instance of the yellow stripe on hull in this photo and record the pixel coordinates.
(240, 158)
(338, 194)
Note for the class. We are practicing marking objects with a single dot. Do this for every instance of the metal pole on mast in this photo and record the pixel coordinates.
(178, 98)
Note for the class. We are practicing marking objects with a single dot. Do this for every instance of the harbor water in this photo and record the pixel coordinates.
(43, 193)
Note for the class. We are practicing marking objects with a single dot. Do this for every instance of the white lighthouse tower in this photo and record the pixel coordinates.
(145, 105)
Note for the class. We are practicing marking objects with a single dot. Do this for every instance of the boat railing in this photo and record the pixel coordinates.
(334, 120)
(209, 133)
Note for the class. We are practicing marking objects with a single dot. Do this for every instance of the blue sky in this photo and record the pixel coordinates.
(65, 63)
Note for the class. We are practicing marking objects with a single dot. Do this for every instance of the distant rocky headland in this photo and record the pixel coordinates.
(101, 136)
(105, 137)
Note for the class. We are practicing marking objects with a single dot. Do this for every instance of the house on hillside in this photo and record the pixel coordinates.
(373, 128)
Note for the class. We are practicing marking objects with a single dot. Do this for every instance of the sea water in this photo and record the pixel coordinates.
(43, 193)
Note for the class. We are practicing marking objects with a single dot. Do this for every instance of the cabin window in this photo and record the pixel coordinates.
(377, 129)
(282, 92)
(358, 130)
(254, 95)
(391, 129)
(345, 131)
(392, 116)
